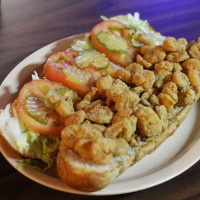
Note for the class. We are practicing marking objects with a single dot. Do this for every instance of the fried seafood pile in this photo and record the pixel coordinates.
(137, 104)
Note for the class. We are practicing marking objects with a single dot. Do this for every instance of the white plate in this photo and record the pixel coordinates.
(174, 156)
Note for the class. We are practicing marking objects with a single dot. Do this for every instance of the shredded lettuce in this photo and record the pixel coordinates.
(141, 26)
(32, 164)
(35, 76)
(131, 21)
(41, 146)
(26, 141)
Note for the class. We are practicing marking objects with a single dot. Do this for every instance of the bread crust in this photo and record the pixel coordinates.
(85, 179)
(82, 178)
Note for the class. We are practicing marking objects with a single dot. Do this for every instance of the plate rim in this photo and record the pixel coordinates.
(193, 158)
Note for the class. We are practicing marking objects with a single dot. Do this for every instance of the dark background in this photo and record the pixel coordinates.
(27, 25)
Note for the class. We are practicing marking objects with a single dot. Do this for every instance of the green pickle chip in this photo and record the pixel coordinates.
(36, 109)
(112, 42)
(92, 57)
(54, 95)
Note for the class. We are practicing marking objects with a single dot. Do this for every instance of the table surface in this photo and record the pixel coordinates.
(27, 25)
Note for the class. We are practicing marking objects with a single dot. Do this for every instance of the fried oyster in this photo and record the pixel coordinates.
(138, 108)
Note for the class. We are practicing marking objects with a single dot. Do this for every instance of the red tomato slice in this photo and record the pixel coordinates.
(61, 68)
(31, 98)
(117, 58)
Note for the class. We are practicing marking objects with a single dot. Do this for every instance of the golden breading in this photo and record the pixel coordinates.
(154, 100)
(137, 90)
(122, 147)
(117, 89)
(143, 39)
(98, 127)
(190, 44)
(194, 51)
(138, 78)
(145, 95)
(167, 101)
(92, 105)
(68, 135)
(155, 55)
(180, 79)
(140, 60)
(177, 56)
(194, 77)
(186, 97)
(144, 49)
(170, 88)
(135, 141)
(90, 95)
(100, 114)
(123, 75)
(144, 99)
(144, 78)
(182, 44)
(79, 137)
(86, 100)
(108, 102)
(149, 123)
(115, 129)
(171, 44)
(64, 107)
(161, 111)
(87, 131)
(177, 67)
(164, 65)
(129, 128)
(104, 83)
(102, 150)
(89, 143)
(133, 67)
(191, 64)
(149, 79)
(83, 148)
(124, 128)
(121, 114)
(145, 102)
(161, 77)
(140, 107)
(75, 118)
(127, 100)
(82, 104)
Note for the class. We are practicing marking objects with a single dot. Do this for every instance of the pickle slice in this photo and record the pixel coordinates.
(54, 95)
(92, 58)
(112, 42)
(74, 74)
(36, 109)
(81, 44)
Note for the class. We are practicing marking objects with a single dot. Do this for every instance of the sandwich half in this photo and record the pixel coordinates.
(133, 114)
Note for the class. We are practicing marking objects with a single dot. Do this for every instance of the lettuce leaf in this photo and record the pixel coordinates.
(27, 142)
(142, 26)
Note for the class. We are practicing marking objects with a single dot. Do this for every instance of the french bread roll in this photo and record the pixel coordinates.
(86, 175)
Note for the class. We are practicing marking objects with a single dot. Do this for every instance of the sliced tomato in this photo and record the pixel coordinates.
(61, 68)
(32, 111)
(114, 27)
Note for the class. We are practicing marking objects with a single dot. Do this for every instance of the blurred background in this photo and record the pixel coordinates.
(27, 25)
